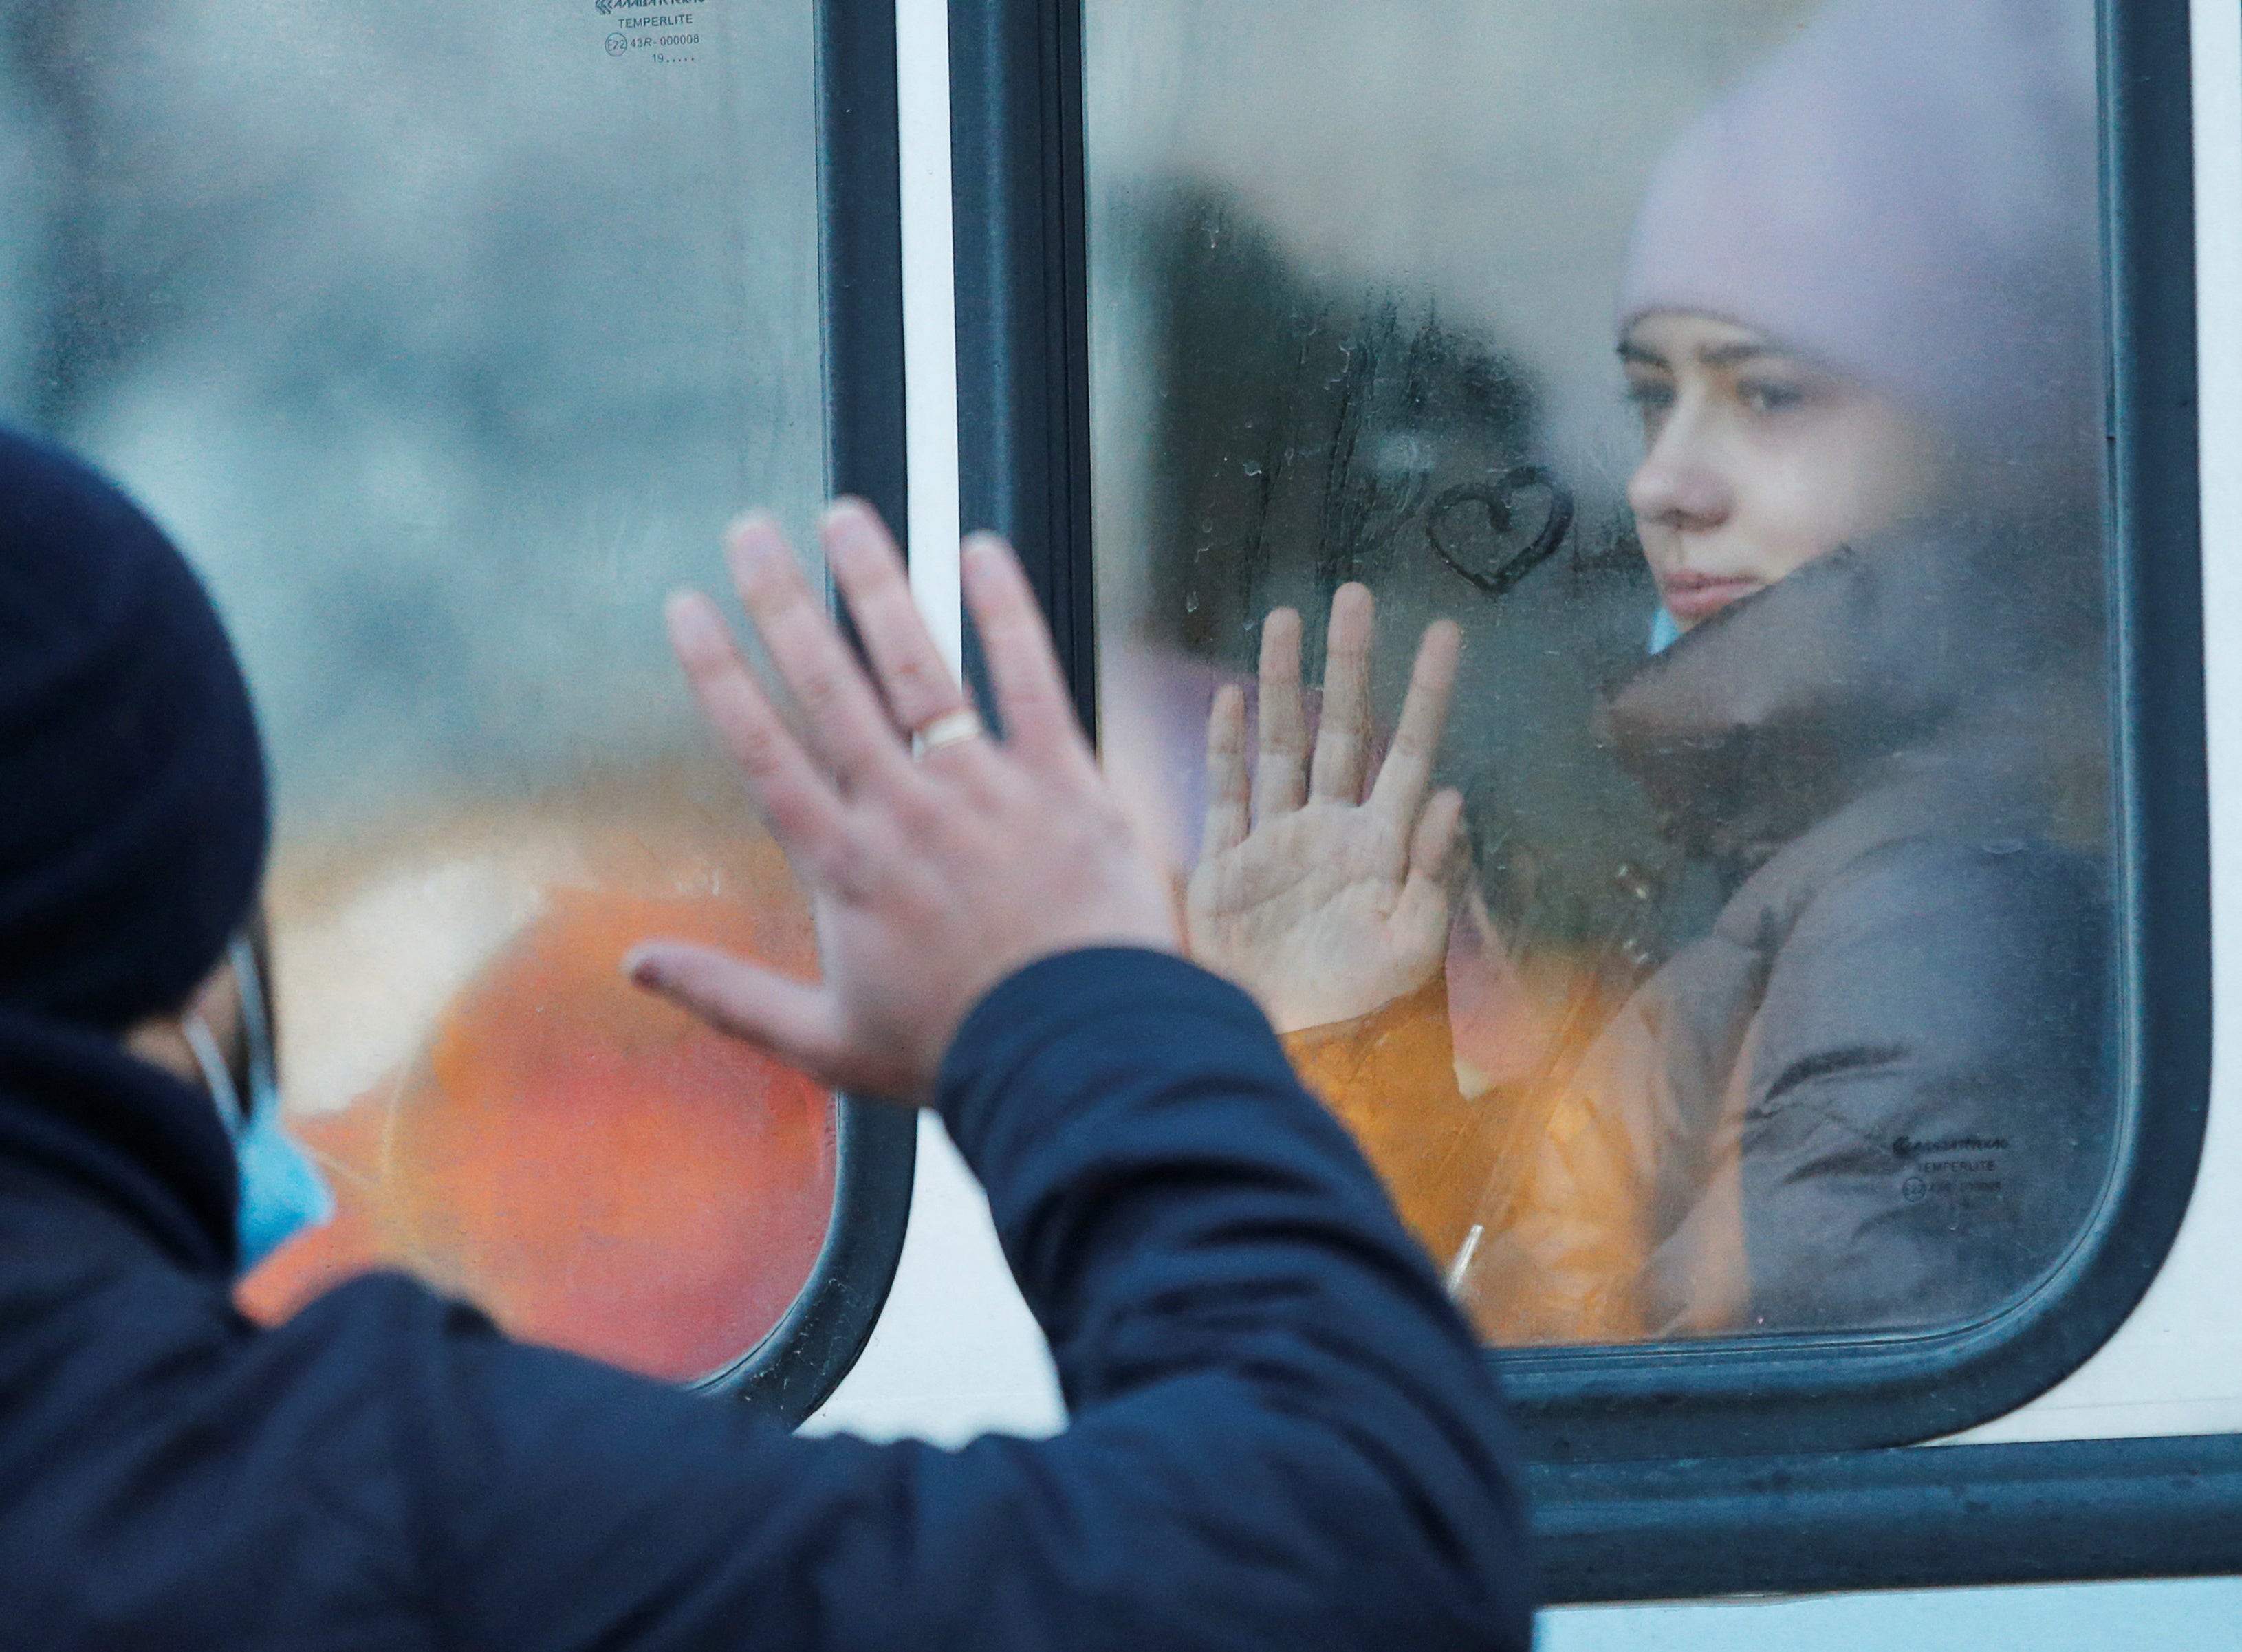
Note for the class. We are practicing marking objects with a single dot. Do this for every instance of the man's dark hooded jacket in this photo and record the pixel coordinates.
(1283, 1436)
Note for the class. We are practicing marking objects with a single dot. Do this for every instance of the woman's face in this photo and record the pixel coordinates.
(1757, 461)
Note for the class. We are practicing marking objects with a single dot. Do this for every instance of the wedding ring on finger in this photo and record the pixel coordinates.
(949, 729)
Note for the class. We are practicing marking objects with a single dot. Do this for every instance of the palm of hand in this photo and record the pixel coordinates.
(1323, 901)
(1314, 915)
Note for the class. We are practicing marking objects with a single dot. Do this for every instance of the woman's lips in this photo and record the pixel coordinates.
(1691, 597)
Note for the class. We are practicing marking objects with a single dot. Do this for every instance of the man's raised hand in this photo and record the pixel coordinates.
(932, 876)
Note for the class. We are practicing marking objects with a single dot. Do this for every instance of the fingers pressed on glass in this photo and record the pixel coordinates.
(1038, 711)
(794, 798)
(1228, 809)
(1436, 864)
(1280, 770)
(841, 715)
(915, 677)
(1408, 766)
(1436, 847)
(1343, 733)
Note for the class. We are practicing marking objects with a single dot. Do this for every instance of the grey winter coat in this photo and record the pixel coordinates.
(1876, 1094)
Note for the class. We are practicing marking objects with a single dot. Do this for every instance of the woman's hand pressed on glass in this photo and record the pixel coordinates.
(934, 877)
(1323, 901)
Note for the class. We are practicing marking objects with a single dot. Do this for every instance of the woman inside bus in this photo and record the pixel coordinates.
(1860, 318)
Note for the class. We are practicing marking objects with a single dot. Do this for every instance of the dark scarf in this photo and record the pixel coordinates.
(132, 837)
(1914, 661)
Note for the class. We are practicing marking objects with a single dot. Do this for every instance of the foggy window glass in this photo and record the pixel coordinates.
(1730, 373)
(444, 342)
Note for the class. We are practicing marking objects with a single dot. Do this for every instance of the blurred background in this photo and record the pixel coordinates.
(445, 340)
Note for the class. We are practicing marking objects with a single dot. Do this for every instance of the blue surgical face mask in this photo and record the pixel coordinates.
(282, 1191)
(1665, 630)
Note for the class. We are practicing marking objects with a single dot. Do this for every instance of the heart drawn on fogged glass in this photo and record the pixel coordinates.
(1495, 533)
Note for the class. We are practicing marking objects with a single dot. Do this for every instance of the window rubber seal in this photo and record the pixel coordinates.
(799, 1363)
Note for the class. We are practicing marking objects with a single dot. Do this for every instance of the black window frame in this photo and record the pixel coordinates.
(798, 1364)
(1777, 1452)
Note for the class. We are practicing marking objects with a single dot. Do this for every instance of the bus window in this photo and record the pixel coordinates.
(1732, 376)
(446, 346)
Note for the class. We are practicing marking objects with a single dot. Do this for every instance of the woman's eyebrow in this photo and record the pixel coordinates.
(1730, 355)
(1639, 355)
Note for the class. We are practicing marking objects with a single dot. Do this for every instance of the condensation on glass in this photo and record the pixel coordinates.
(1731, 373)
(444, 342)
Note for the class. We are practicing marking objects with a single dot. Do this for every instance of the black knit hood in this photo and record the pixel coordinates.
(133, 839)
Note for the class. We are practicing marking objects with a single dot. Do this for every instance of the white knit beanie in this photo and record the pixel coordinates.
(1909, 193)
